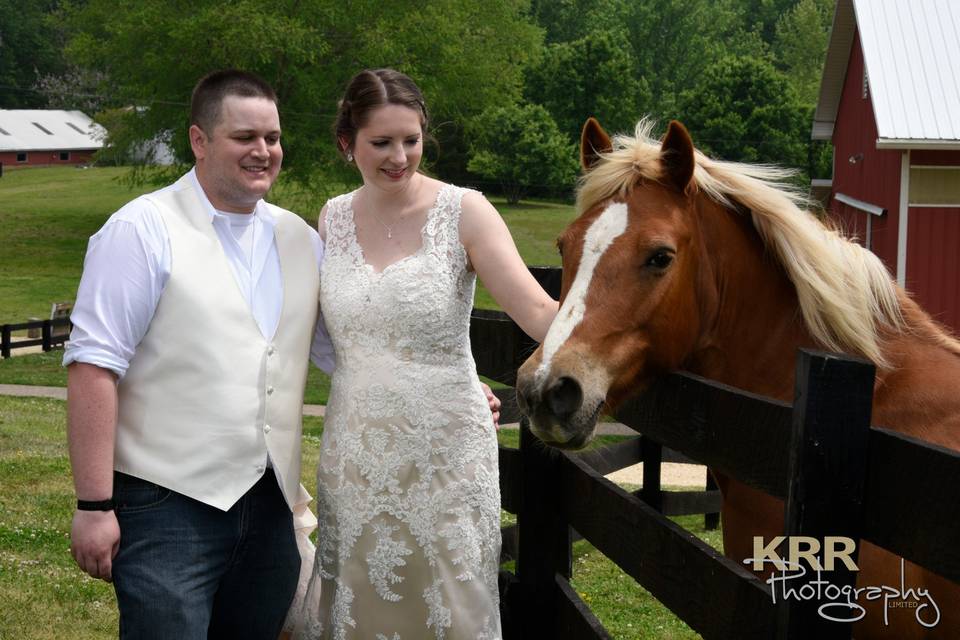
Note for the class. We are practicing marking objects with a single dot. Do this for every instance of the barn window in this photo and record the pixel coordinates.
(4, 131)
(42, 128)
(65, 155)
(21, 157)
(935, 186)
(76, 128)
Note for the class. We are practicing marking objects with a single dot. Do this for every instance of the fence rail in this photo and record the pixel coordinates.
(837, 475)
(47, 340)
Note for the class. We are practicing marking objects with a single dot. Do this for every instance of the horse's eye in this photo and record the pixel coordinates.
(660, 260)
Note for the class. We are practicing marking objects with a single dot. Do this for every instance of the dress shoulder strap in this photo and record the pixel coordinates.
(443, 227)
(337, 224)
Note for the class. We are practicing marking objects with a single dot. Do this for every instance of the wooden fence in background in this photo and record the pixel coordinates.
(49, 337)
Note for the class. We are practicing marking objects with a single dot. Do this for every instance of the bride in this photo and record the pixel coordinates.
(408, 496)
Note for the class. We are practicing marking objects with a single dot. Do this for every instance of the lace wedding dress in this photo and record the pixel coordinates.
(408, 500)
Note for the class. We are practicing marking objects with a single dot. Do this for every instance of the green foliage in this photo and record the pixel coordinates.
(800, 45)
(31, 40)
(591, 76)
(466, 55)
(519, 146)
(673, 42)
(744, 109)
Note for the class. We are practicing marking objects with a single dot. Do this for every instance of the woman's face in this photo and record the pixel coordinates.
(388, 148)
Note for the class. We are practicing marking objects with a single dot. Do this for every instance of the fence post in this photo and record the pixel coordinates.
(711, 520)
(652, 455)
(46, 332)
(544, 547)
(827, 472)
(5, 341)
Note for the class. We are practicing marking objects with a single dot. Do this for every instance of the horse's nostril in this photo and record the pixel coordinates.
(564, 397)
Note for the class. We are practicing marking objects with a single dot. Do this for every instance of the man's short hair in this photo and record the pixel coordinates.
(207, 100)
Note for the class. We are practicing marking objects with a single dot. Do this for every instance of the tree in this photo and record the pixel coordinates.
(591, 76)
(465, 54)
(745, 110)
(673, 42)
(800, 46)
(31, 44)
(520, 147)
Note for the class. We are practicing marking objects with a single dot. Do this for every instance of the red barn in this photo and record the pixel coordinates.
(47, 137)
(890, 103)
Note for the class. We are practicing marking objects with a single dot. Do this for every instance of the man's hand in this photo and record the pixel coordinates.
(494, 403)
(94, 540)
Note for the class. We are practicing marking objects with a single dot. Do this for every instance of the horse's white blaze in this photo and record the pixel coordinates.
(605, 229)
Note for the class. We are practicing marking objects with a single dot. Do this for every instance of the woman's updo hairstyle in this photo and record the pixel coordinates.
(369, 90)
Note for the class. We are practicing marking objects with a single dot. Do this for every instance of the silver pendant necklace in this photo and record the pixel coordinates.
(385, 225)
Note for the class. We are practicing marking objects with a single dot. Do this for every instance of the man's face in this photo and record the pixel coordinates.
(239, 161)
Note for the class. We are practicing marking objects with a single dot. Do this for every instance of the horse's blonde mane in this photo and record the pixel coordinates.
(847, 298)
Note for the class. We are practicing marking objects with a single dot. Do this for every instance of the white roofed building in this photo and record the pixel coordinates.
(890, 104)
(47, 137)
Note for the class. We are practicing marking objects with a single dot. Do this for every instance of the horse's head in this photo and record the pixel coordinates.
(630, 304)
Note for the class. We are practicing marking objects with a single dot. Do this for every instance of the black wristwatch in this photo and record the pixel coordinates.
(96, 505)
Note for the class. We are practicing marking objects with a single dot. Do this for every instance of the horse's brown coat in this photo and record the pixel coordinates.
(726, 309)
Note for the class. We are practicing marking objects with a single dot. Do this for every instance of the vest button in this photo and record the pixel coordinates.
(269, 391)
(266, 428)
(271, 350)
(261, 468)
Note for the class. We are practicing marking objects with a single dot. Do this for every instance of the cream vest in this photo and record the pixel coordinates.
(206, 395)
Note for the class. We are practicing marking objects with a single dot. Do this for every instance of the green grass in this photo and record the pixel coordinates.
(45, 596)
(43, 593)
(44, 369)
(49, 214)
(36, 368)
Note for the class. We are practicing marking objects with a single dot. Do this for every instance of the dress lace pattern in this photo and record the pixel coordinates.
(408, 498)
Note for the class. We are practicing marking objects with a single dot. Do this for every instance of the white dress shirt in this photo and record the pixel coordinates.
(127, 266)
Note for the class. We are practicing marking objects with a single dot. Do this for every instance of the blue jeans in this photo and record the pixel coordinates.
(188, 571)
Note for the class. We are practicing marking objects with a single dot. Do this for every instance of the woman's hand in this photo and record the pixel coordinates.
(494, 403)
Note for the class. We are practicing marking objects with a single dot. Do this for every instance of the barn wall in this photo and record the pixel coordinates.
(44, 158)
(933, 264)
(874, 177)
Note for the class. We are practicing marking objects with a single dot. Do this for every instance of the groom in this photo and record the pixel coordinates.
(187, 364)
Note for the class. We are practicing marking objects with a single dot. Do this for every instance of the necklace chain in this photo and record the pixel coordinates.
(389, 228)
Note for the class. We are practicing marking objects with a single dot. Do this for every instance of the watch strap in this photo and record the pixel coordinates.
(96, 505)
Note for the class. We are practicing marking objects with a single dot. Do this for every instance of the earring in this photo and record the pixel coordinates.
(349, 157)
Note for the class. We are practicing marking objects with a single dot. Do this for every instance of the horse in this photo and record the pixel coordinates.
(677, 261)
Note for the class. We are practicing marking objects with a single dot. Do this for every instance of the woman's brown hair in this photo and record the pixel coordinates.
(369, 90)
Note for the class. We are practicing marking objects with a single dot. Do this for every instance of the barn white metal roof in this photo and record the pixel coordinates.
(48, 130)
(911, 50)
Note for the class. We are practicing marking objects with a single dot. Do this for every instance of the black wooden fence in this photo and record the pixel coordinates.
(49, 336)
(837, 475)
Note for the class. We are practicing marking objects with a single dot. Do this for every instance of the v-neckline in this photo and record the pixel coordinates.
(361, 254)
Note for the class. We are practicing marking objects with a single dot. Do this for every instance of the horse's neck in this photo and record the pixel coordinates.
(919, 394)
(753, 325)
(754, 328)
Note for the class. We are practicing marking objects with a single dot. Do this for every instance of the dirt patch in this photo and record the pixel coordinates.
(672, 474)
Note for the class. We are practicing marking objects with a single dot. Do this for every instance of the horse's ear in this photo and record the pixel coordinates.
(676, 156)
(593, 141)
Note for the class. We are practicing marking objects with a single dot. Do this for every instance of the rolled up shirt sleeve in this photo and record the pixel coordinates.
(321, 349)
(126, 267)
